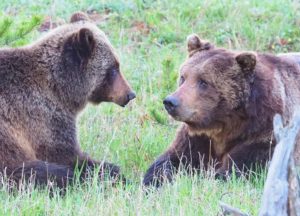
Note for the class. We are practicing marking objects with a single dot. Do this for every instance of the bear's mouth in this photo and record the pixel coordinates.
(173, 112)
(129, 97)
(124, 104)
(186, 116)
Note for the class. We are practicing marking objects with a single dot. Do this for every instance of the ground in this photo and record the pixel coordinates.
(150, 39)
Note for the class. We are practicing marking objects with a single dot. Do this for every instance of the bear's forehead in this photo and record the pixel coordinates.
(66, 30)
(209, 61)
(59, 34)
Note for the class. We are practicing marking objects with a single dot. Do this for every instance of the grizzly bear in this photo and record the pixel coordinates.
(43, 88)
(226, 101)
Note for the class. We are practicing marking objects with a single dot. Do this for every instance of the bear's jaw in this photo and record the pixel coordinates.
(221, 134)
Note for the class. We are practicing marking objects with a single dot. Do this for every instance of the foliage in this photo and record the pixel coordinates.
(17, 33)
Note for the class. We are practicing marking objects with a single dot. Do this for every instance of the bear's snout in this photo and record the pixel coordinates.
(130, 96)
(171, 103)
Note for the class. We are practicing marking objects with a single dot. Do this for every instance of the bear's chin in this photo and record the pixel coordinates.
(181, 116)
(199, 124)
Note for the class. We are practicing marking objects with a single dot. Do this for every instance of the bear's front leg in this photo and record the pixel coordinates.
(243, 159)
(106, 170)
(188, 151)
(162, 169)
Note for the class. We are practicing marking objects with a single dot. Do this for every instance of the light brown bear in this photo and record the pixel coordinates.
(226, 101)
(43, 87)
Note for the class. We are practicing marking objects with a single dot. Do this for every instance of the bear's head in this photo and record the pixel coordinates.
(84, 65)
(213, 85)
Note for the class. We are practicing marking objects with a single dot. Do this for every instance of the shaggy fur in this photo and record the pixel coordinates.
(43, 87)
(226, 101)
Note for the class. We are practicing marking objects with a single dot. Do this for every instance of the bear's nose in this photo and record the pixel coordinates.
(131, 96)
(171, 103)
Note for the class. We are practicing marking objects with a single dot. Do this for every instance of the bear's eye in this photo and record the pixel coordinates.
(181, 80)
(111, 74)
(202, 84)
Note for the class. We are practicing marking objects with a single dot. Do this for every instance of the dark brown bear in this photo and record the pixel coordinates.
(43, 87)
(226, 101)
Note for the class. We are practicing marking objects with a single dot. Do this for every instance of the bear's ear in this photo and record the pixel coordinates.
(83, 42)
(247, 61)
(194, 44)
(79, 16)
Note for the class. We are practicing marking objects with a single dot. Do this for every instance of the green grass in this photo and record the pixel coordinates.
(150, 39)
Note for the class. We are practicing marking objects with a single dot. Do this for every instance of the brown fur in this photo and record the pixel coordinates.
(43, 87)
(227, 101)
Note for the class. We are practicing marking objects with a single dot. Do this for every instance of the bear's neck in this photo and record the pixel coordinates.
(66, 84)
(235, 130)
(18, 66)
(222, 133)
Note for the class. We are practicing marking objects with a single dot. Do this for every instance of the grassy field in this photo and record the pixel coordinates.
(149, 36)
